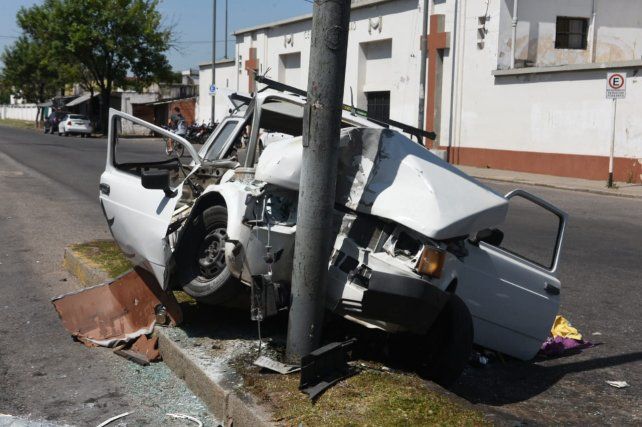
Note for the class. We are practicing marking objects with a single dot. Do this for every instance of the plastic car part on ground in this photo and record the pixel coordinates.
(325, 367)
(117, 311)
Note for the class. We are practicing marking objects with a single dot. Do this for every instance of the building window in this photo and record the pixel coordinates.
(571, 33)
(378, 105)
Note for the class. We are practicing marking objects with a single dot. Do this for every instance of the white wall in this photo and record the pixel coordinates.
(618, 36)
(225, 79)
(19, 112)
(546, 112)
(398, 21)
(127, 98)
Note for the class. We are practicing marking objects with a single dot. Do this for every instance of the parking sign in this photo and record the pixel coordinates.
(616, 85)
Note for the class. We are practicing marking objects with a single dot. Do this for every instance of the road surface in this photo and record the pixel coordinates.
(49, 199)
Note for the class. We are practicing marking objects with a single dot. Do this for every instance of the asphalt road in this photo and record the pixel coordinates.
(49, 199)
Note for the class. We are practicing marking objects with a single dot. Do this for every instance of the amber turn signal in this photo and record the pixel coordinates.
(431, 261)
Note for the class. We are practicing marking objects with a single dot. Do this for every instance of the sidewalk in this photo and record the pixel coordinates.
(621, 189)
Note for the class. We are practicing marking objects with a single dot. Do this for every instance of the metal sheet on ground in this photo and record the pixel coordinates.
(117, 311)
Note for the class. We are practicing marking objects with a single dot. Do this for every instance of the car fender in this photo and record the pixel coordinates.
(233, 196)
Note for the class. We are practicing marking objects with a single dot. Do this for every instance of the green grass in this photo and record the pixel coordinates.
(22, 124)
(370, 398)
(373, 397)
(105, 255)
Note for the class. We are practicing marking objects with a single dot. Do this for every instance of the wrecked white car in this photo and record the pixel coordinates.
(416, 248)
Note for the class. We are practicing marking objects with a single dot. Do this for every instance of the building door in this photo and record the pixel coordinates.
(378, 105)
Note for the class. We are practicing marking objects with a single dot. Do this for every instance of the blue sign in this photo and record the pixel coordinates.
(212, 89)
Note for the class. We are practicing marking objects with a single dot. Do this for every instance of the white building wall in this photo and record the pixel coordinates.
(545, 112)
(225, 81)
(564, 113)
(397, 22)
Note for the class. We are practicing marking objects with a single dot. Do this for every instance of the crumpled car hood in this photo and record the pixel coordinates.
(383, 173)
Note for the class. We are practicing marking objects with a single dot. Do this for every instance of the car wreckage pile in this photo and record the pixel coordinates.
(416, 249)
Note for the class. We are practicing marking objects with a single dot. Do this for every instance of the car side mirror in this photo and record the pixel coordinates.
(157, 180)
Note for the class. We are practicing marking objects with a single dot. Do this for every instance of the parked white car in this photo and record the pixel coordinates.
(416, 248)
(75, 124)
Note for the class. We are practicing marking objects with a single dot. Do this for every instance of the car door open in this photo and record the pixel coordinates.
(513, 297)
(141, 186)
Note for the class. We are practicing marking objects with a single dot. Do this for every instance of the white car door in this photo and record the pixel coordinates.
(139, 217)
(513, 301)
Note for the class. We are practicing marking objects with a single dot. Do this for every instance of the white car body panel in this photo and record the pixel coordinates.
(385, 174)
(139, 217)
(512, 312)
(382, 174)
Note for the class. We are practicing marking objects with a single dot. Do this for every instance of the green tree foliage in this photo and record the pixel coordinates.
(29, 72)
(117, 43)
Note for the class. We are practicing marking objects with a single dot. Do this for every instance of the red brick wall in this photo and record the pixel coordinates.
(188, 109)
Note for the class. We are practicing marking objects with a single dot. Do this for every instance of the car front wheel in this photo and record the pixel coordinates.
(448, 343)
(200, 258)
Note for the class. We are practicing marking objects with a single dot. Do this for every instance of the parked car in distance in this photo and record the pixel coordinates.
(52, 122)
(75, 124)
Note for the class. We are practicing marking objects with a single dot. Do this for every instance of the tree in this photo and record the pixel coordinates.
(28, 72)
(116, 42)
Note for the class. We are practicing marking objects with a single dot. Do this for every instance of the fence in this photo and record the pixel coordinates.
(19, 112)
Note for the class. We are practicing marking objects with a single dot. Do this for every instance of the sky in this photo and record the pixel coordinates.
(192, 23)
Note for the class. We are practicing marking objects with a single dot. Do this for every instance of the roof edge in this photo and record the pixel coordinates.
(356, 4)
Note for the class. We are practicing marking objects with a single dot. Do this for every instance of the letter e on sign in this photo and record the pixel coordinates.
(616, 85)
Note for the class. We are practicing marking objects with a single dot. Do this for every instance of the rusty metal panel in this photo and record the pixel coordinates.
(117, 311)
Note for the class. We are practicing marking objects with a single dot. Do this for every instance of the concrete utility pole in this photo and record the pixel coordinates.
(213, 58)
(321, 130)
(422, 71)
(225, 29)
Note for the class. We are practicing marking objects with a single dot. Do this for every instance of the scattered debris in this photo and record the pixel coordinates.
(147, 347)
(325, 367)
(617, 384)
(596, 333)
(133, 356)
(187, 417)
(564, 338)
(563, 328)
(143, 351)
(115, 312)
(276, 366)
(478, 360)
(112, 419)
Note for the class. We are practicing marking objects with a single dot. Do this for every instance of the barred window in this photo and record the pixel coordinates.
(571, 33)
(378, 105)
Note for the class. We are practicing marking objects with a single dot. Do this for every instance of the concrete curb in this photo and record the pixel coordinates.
(221, 397)
(78, 266)
(557, 186)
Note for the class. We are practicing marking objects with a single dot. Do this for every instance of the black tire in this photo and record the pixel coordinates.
(448, 344)
(200, 259)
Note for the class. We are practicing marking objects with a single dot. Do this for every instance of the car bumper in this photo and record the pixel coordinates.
(79, 129)
(386, 296)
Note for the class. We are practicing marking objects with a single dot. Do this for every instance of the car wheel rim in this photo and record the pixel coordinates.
(211, 255)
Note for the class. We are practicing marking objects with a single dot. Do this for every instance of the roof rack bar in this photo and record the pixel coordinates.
(282, 87)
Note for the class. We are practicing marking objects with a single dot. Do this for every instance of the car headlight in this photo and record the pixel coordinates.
(431, 261)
